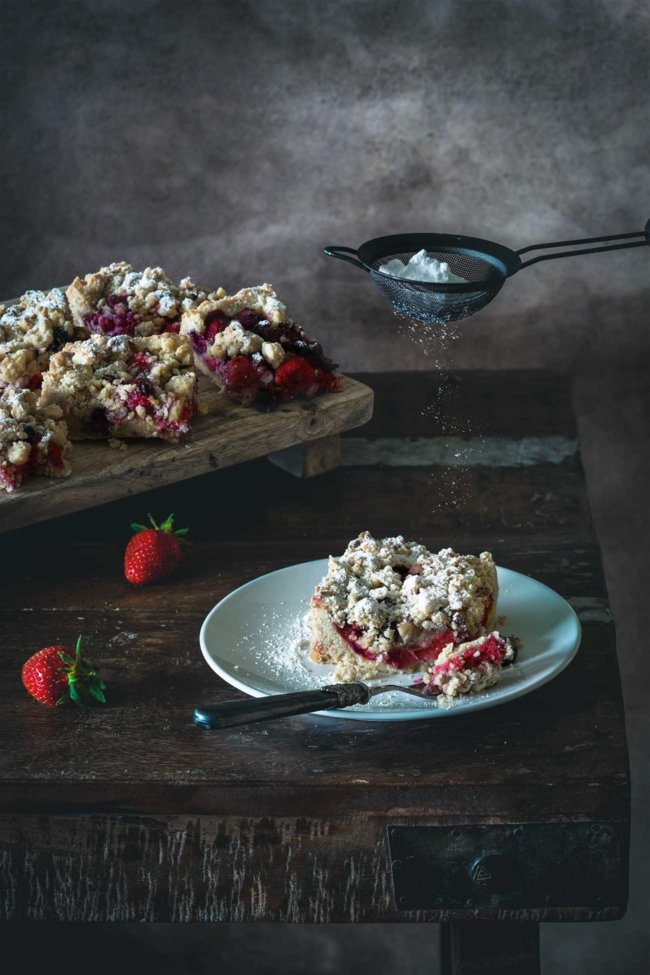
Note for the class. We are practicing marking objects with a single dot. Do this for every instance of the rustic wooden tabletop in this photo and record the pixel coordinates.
(130, 812)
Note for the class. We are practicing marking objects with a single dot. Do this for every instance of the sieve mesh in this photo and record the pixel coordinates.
(434, 303)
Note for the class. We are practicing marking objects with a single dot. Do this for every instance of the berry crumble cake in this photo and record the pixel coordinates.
(390, 605)
(33, 440)
(249, 347)
(30, 331)
(470, 667)
(124, 387)
(118, 300)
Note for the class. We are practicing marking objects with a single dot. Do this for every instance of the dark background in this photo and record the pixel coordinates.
(232, 140)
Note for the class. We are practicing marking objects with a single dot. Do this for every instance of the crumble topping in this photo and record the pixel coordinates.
(392, 590)
(118, 299)
(261, 299)
(143, 386)
(30, 331)
(31, 438)
(235, 340)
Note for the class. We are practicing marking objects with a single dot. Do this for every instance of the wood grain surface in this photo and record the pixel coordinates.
(131, 812)
(228, 434)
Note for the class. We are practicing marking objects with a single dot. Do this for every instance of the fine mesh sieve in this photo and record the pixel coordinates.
(484, 264)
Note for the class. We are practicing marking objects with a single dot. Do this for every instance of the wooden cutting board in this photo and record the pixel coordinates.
(228, 434)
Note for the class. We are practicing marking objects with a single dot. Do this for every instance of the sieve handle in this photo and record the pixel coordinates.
(645, 234)
(334, 250)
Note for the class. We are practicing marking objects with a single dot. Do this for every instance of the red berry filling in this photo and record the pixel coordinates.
(198, 342)
(249, 319)
(240, 374)
(400, 656)
(215, 323)
(35, 381)
(140, 395)
(55, 456)
(114, 318)
(142, 360)
(182, 424)
(295, 376)
(10, 477)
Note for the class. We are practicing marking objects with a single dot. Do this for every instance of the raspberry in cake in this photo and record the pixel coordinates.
(30, 331)
(124, 387)
(250, 348)
(118, 300)
(33, 440)
(390, 605)
(470, 667)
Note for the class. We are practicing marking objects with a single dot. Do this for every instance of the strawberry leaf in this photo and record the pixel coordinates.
(138, 528)
(97, 691)
(75, 695)
(66, 658)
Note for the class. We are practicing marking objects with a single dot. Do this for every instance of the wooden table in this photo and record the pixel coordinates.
(130, 812)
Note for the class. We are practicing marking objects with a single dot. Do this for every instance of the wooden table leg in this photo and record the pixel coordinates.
(483, 947)
(310, 458)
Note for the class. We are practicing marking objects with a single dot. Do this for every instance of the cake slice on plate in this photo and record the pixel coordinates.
(390, 605)
(124, 387)
(33, 440)
(248, 346)
(30, 331)
(119, 300)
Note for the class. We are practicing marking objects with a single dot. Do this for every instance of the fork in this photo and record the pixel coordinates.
(231, 713)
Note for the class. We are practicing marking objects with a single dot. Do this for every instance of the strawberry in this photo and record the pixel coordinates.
(53, 676)
(154, 552)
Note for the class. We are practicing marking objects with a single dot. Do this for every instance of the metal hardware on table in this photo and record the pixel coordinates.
(498, 866)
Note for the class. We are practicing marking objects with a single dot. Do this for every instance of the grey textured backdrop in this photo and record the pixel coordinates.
(232, 140)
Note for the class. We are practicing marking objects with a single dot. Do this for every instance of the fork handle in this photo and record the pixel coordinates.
(228, 714)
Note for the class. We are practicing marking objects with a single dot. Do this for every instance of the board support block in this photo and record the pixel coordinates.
(311, 458)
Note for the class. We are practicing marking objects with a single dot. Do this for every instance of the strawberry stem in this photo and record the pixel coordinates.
(82, 677)
(165, 526)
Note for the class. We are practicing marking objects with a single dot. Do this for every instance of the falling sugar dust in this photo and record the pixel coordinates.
(456, 437)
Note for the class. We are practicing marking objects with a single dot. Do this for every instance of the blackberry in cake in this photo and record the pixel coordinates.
(470, 667)
(249, 347)
(389, 605)
(33, 439)
(30, 331)
(119, 300)
(124, 387)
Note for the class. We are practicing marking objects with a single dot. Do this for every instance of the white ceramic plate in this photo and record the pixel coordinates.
(257, 640)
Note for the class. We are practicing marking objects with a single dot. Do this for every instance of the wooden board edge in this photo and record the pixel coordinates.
(306, 421)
